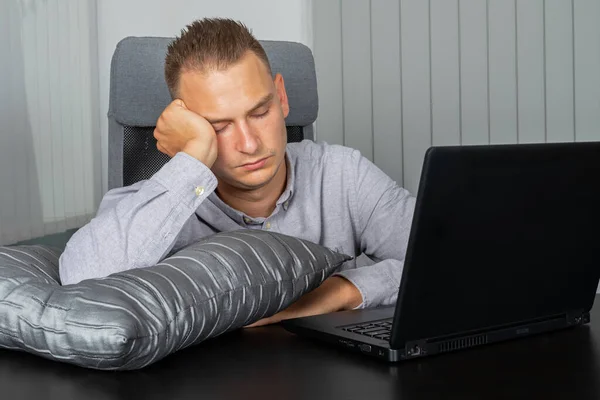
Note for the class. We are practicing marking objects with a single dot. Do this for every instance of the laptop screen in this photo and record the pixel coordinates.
(501, 234)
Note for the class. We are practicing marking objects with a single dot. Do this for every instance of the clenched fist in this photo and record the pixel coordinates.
(179, 129)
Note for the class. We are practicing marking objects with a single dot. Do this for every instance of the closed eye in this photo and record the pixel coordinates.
(220, 129)
(261, 115)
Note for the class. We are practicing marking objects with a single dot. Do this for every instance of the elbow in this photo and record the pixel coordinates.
(76, 264)
(79, 262)
(69, 270)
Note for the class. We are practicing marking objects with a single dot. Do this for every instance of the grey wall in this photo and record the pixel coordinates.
(398, 76)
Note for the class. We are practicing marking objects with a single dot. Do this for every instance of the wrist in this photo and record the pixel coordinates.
(199, 152)
(350, 294)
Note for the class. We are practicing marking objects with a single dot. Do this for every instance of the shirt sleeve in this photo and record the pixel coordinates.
(137, 225)
(383, 211)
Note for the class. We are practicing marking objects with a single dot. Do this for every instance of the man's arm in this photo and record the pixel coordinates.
(334, 294)
(136, 226)
(384, 213)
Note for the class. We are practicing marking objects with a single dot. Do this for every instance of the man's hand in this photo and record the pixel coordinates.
(334, 294)
(180, 129)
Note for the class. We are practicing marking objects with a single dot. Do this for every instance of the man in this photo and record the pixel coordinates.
(231, 168)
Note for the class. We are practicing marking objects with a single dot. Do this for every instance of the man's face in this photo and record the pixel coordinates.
(247, 108)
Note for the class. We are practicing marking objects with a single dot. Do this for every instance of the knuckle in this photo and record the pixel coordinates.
(164, 117)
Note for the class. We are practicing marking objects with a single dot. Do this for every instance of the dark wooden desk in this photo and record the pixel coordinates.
(271, 363)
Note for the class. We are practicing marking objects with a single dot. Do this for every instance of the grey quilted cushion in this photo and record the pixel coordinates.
(134, 318)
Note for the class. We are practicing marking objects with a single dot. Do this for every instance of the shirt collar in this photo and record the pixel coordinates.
(287, 194)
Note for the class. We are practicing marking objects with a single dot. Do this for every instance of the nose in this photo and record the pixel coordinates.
(248, 142)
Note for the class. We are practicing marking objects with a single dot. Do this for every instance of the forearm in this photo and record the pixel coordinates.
(136, 227)
(334, 294)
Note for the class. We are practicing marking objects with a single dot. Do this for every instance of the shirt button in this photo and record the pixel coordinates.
(247, 220)
(286, 205)
(268, 225)
(199, 190)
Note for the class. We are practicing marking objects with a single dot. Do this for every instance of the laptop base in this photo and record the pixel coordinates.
(421, 348)
(311, 327)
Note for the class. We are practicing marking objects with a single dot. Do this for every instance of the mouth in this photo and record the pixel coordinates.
(255, 164)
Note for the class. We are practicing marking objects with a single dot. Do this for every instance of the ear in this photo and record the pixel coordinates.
(281, 93)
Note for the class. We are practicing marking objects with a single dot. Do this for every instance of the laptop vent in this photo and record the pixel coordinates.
(458, 344)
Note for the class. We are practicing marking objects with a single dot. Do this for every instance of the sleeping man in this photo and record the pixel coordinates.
(232, 168)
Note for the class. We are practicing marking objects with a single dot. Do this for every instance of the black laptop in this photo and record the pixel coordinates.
(504, 243)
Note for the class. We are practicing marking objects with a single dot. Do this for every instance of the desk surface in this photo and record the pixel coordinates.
(269, 362)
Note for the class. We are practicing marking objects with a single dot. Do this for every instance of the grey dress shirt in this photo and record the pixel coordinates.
(334, 196)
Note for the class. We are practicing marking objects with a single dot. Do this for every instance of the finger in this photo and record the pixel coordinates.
(157, 134)
(180, 103)
(260, 322)
(256, 324)
(162, 149)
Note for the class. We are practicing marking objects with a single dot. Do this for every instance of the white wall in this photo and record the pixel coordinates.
(268, 19)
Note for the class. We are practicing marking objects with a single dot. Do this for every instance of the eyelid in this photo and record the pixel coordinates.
(220, 129)
(266, 106)
(262, 114)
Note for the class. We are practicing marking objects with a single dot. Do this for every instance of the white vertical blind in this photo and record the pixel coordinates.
(397, 76)
(49, 127)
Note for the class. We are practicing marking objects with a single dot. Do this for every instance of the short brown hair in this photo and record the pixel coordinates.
(209, 44)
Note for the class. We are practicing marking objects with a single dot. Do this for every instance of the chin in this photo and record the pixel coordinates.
(252, 180)
(258, 181)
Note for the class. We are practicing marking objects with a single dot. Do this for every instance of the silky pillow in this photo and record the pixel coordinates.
(134, 318)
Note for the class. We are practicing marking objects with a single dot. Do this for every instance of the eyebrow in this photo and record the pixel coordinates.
(265, 100)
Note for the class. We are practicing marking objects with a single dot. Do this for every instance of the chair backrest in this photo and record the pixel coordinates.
(139, 94)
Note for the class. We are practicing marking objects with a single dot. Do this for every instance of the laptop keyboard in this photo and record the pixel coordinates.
(377, 329)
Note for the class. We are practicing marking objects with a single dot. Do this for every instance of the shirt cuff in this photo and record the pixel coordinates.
(187, 179)
(378, 283)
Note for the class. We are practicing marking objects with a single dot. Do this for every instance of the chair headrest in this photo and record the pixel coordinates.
(139, 93)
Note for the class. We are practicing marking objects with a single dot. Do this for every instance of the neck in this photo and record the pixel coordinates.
(258, 202)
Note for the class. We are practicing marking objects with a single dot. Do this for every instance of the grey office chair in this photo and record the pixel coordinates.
(139, 94)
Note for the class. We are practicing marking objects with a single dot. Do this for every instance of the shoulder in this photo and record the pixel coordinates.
(321, 153)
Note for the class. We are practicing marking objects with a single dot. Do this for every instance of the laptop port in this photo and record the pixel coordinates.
(365, 348)
(414, 351)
